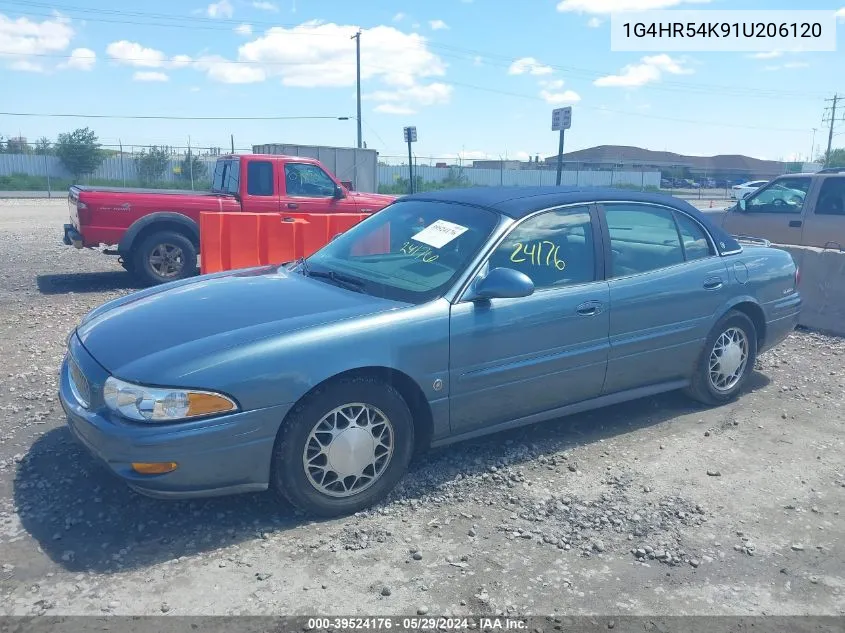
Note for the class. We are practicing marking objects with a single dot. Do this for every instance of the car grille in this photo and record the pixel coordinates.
(79, 384)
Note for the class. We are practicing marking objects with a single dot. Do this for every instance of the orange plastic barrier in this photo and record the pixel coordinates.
(241, 240)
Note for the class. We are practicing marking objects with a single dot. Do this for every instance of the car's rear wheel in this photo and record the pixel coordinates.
(726, 361)
(164, 256)
(344, 447)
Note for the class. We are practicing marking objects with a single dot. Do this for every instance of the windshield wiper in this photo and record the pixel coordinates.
(351, 283)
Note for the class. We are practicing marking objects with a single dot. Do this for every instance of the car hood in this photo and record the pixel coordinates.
(375, 201)
(133, 335)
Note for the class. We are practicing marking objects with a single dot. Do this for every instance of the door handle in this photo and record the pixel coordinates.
(292, 205)
(590, 308)
(795, 223)
(713, 284)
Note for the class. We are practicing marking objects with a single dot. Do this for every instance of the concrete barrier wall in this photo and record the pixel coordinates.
(822, 287)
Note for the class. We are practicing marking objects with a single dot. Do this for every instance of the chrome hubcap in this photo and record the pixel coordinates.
(348, 450)
(728, 359)
(167, 260)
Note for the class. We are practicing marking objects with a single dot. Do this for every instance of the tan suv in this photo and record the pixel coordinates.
(799, 209)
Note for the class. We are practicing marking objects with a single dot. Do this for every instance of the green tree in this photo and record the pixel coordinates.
(836, 158)
(80, 151)
(193, 166)
(152, 164)
(43, 146)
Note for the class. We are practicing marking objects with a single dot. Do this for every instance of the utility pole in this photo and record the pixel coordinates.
(357, 38)
(232, 139)
(830, 133)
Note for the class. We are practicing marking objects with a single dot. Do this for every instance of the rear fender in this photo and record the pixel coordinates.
(161, 217)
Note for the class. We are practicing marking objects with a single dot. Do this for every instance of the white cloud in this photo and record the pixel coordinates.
(841, 13)
(133, 54)
(787, 66)
(228, 72)
(425, 95)
(529, 65)
(328, 58)
(22, 37)
(552, 84)
(438, 25)
(399, 17)
(767, 55)
(222, 9)
(149, 75)
(649, 70)
(180, 61)
(617, 6)
(243, 29)
(559, 98)
(594, 23)
(81, 59)
(266, 6)
(392, 108)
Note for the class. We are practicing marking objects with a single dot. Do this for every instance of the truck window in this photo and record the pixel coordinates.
(832, 197)
(227, 176)
(259, 175)
(780, 196)
(307, 180)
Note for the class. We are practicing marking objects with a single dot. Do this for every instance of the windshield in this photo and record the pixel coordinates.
(410, 251)
(227, 175)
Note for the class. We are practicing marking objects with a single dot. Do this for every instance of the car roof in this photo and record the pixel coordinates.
(519, 202)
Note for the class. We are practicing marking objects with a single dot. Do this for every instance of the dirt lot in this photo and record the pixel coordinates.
(654, 507)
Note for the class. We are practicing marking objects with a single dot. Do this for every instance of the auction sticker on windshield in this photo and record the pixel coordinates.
(439, 233)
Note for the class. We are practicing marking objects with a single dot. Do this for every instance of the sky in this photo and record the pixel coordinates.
(478, 78)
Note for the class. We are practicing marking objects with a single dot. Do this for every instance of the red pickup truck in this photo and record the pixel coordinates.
(156, 232)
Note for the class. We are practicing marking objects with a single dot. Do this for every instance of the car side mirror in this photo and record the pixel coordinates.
(503, 283)
(338, 192)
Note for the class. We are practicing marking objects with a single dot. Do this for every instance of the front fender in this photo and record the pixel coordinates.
(128, 239)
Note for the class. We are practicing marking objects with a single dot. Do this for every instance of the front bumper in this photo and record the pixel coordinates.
(217, 456)
(72, 236)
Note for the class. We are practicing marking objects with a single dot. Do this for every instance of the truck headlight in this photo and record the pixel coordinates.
(156, 404)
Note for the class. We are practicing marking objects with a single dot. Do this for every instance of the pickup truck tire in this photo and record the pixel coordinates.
(351, 425)
(164, 256)
(726, 361)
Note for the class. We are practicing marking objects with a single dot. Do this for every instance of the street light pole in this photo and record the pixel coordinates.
(357, 38)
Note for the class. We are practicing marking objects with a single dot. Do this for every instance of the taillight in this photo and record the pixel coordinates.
(81, 205)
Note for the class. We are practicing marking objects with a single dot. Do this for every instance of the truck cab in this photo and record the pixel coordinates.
(795, 209)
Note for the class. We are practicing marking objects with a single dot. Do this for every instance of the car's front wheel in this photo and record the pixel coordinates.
(344, 447)
(726, 361)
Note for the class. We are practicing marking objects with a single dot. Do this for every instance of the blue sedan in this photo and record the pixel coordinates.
(443, 317)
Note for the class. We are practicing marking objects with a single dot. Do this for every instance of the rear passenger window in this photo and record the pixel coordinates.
(642, 238)
(554, 249)
(259, 178)
(832, 197)
(694, 238)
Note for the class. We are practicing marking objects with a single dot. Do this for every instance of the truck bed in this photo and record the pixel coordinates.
(164, 192)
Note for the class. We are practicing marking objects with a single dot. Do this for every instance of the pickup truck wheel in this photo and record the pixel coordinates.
(164, 256)
(726, 361)
(343, 448)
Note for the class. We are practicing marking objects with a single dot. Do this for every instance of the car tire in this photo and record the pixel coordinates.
(709, 384)
(164, 256)
(318, 489)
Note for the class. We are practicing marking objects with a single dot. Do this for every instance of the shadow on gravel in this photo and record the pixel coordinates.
(84, 518)
(86, 282)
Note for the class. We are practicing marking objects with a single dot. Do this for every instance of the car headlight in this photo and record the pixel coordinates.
(156, 404)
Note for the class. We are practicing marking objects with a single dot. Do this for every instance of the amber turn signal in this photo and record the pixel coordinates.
(154, 468)
(200, 403)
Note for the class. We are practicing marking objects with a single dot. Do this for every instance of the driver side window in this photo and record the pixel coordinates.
(781, 196)
(554, 249)
(308, 181)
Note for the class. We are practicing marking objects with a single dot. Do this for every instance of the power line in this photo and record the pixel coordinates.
(176, 118)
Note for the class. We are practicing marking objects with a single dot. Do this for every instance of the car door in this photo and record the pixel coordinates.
(666, 283)
(774, 212)
(261, 194)
(309, 189)
(511, 358)
(824, 218)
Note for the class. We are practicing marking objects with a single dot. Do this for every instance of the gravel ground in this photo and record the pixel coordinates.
(655, 507)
